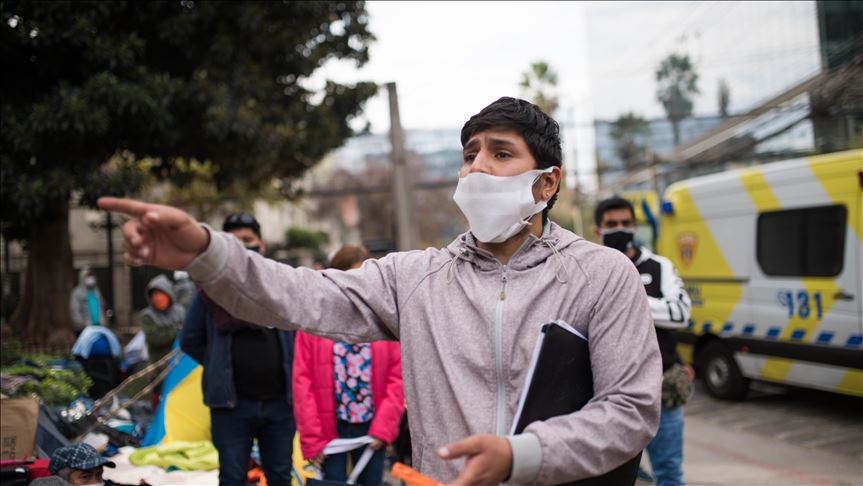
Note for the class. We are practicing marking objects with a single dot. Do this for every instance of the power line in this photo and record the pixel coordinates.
(629, 71)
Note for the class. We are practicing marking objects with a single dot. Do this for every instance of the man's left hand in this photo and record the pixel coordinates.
(488, 459)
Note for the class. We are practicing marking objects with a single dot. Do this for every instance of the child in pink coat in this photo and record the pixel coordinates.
(345, 390)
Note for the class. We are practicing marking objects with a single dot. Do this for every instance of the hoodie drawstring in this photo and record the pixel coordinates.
(561, 264)
(451, 268)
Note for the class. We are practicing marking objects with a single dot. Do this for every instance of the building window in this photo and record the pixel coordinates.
(807, 242)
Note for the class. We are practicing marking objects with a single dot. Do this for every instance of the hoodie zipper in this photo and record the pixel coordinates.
(498, 353)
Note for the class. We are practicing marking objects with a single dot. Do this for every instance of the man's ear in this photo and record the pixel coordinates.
(551, 182)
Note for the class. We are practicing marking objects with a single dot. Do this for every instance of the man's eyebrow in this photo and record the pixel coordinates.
(494, 142)
(501, 142)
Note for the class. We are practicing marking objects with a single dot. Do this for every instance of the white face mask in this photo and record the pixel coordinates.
(90, 281)
(497, 207)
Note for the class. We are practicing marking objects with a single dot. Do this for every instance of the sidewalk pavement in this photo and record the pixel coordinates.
(716, 455)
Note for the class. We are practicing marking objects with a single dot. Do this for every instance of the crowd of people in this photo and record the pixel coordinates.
(323, 352)
(257, 378)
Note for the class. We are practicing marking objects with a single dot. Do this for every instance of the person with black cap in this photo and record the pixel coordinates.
(246, 380)
(670, 308)
(77, 465)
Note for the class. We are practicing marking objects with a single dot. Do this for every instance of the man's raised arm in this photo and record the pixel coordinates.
(355, 306)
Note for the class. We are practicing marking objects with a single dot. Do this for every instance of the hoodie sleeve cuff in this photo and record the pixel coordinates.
(526, 457)
(210, 263)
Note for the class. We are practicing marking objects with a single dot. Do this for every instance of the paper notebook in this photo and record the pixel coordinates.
(559, 382)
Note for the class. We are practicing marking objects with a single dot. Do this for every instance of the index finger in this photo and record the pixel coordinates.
(129, 207)
(465, 447)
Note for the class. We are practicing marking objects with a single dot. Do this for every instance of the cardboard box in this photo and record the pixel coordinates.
(18, 421)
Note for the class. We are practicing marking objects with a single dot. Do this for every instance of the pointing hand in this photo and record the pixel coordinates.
(157, 235)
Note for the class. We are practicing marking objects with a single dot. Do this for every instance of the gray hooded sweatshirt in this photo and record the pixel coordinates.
(467, 327)
(161, 327)
(79, 309)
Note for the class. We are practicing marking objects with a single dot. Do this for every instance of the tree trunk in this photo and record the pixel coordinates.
(42, 315)
(675, 127)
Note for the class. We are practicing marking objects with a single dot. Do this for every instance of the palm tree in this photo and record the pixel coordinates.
(628, 133)
(539, 85)
(677, 81)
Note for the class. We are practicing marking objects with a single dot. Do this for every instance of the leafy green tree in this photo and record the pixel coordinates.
(173, 81)
(539, 85)
(723, 98)
(629, 132)
(677, 82)
(296, 237)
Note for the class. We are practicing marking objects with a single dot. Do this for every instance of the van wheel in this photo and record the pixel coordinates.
(721, 374)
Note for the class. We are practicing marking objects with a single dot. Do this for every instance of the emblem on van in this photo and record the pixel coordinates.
(687, 243)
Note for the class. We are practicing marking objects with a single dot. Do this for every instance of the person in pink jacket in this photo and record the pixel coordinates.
(347, 390)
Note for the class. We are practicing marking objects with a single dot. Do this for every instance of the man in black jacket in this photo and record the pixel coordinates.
(670, 309)
(246, 380)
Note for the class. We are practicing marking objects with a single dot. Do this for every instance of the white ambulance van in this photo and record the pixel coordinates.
(771, 256)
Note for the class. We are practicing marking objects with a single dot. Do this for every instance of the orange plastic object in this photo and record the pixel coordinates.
(256, 476)
(411, 476)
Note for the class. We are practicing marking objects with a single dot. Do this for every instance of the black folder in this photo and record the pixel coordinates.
(559, 382)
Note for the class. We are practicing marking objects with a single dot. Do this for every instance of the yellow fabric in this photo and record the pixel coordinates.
(299, 464)
(186, 416)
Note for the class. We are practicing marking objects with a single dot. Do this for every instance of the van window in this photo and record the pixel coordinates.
(808, 242)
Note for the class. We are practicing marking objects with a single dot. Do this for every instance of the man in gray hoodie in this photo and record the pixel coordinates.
(467, 315)
(162, 319)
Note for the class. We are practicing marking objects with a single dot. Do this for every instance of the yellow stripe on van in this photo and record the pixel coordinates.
(852, 383)
(764, 199)
(838, 175)
(759, 190)
(705, 260)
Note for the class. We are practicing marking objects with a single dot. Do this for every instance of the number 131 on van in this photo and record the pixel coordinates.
(801, 302)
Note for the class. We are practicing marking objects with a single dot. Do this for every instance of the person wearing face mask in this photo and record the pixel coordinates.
(162, 319)
(96, 347)
(670, 308)
(184, 288)
(86, 305)
(246, 381)
(467, 316)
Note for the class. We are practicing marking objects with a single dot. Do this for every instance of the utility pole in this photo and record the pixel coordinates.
(109, 226)
(405, 229)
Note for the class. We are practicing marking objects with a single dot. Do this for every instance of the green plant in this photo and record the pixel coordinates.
(53, 386)
(10, 351)
(302, 238)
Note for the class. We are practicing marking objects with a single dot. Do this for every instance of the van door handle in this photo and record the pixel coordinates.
(841, 295)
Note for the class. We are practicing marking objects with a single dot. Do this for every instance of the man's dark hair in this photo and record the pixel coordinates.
(540, 132)
(242, 220)
(614, 202)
